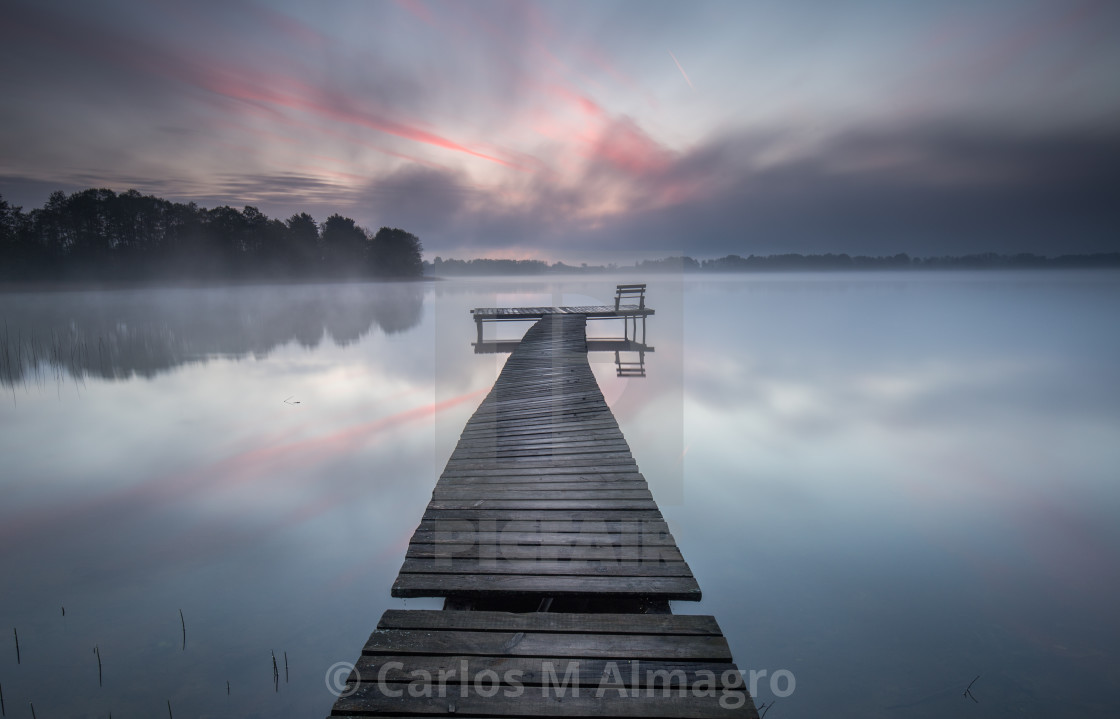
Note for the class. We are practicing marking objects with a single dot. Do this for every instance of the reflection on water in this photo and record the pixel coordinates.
(885, 484)
(629, 356)
(119, 334)
(898, 482)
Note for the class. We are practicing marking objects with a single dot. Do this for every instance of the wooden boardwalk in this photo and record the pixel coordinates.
(556, 565)
(541, 495)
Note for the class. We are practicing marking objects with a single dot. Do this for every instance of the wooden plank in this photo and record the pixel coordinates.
(699, 648)
(553, 443)
(575, 504)
(537, 671)
(538, 494)
(646, 526)
(368, 699)
(549, 552)
(520, 515)
(542, 471)
(566, 476)
(583, 451)
(585, 420)
(553, 440)
(439, 585)
(563, 539)
(604, 459)
(481, 489)
(513, 430)
(550, 622)
(575, 567)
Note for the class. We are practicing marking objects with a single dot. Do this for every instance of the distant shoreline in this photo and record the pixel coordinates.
(86, 285)
(764, 264)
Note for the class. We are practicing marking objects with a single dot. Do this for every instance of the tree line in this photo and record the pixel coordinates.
(978, 261)
(98, 234)
(790, 262)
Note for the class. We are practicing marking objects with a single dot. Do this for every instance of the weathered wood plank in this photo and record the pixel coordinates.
(541, 479)
(369, 700)
(615, 526)
(575, 504)
(603, 459)
(552, 515)
(482, 489)
(539, 671)
(450, 534)
(439, 585)
(526, 567)
(550, 552)
(550, 622)
(584, 451)
(541, 494)
(541, 471)
(699, 648)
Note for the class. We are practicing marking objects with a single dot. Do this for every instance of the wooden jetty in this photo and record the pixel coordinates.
(556, 567)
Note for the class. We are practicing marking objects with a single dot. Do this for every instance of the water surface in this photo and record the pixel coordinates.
(885, 484)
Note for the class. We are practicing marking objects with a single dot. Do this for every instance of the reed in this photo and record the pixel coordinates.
(16, 635)
(968, 690)
(97, 651)
(183, 621)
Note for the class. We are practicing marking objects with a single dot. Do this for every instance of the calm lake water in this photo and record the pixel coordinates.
(886, 484)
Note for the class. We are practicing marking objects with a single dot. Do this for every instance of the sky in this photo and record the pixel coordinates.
(573, 130)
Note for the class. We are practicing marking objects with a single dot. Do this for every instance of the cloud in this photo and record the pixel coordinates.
(927, 190)
(506, 127)
(423, 200)
(924, 190)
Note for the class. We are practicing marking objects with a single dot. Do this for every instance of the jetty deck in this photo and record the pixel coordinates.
(556, 567)
(536, 313)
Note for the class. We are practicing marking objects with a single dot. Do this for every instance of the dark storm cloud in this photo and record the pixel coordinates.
(425, 200)
(926, 191)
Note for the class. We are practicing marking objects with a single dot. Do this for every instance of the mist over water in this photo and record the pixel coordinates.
(884, 483)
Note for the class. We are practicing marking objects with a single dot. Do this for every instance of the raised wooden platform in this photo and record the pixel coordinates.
(541, 495)
(498, 664)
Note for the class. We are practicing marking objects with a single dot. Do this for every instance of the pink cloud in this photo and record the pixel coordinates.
(260, 89)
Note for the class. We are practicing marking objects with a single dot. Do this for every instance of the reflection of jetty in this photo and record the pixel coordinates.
(625, 365)
(556, 567)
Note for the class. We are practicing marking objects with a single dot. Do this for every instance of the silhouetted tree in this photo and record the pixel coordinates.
(302, 250)
(345, 246)
(396, 253)
(16, 256)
